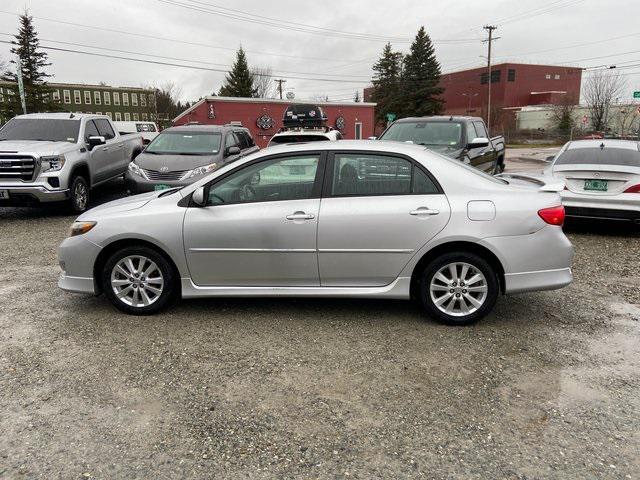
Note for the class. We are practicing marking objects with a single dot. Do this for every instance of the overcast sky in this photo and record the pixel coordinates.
(573, 32)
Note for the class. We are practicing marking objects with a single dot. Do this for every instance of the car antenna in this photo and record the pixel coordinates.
(71, 115)
(602, 146)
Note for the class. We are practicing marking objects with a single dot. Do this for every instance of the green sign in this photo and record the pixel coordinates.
(392, 116)
(636, 94)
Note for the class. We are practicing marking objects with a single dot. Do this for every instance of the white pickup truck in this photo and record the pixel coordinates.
(55, 157)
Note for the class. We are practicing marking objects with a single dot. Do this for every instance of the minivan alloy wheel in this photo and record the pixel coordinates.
(137, 281)
(458, 289)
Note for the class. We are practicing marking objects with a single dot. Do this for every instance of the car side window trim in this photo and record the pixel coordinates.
(316, 191)
(330, 168)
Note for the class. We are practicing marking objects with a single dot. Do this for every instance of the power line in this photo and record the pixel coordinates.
(174, 40)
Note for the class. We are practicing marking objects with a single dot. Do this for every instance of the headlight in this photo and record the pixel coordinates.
(80, 228)
(201, 170)
(52, 164)
(136, 170)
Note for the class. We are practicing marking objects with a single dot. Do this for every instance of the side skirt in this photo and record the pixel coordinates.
(398, 289)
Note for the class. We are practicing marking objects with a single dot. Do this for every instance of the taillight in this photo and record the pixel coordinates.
(552, 215)
(633, 189)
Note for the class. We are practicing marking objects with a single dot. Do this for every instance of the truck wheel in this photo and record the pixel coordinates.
(139, 281)
(499, 168)
(79, 194)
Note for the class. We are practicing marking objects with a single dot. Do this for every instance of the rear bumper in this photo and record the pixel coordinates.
(33, 194)
(624, 206)
(540, 280)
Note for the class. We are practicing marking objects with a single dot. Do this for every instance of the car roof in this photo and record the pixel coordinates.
(61, 115)
(355, 145)
(439, 118)
(608, 143)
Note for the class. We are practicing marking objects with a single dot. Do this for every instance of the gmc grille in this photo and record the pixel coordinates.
(157, 175)
(21, 167)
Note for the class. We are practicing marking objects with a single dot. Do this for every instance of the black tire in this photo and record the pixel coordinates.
(499, 167)
(457, 317)
(78, 194)
(169, 288)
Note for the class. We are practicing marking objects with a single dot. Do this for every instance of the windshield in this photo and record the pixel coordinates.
(425, 133)
(42, 129)
(600, 156)
(297, 139)
(185, 143)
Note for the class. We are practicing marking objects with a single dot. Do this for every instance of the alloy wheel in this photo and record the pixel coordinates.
(137, 281)
(458, 289)
(80, 195)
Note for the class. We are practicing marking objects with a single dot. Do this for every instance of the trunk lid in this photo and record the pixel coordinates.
(597, 179)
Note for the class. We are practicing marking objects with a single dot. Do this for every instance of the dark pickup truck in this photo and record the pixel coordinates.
(462, 138)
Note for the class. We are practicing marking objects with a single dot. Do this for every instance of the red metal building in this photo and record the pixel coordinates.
(264, 116)
(512, 85)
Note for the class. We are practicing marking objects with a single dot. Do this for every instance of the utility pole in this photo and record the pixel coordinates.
(280, 81)
(490, 29)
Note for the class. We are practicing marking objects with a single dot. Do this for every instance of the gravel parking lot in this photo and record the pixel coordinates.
(548, 386)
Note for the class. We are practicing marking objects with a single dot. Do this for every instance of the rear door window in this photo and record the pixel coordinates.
(90, 130)
(600, 156)
(481, 130)
(242, 139)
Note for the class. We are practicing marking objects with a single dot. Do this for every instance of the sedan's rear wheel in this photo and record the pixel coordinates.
(138, 280)
(458, 288)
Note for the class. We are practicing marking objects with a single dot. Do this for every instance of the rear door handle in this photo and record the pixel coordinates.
(424, 211)
(104, 149)
(300, 216)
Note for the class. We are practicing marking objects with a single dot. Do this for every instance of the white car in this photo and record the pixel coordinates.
(304, 135)
(602, 179)
(148, 130)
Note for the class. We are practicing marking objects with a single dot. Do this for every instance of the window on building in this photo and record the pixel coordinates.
(511, 75)
(127, 117)
(134, 99)
(87, 97)
(143, 100)
(110, 115)
(556, 76)
(97, 98)
(495, 76)
(107, 98)
(67, 96)
(145, 116)
(548, 76)
(56, 96)
(125, 98)
(484, 78)
(77, 98)
(1, 94)
(118, 116)
(151, 99)
(116, 98)
(135, 117)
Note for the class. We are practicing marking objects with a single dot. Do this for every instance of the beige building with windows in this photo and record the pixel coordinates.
(118, 103)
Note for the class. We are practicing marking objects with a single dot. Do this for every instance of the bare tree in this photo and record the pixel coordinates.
(562, 118)
(167, 104)
(319, 97)
(263, 82)
(600, 89)
(626, 120)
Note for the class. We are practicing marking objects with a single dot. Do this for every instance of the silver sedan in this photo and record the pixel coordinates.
(343, 219)
(602, 179)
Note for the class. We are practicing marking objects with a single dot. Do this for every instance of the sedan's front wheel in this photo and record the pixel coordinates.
(458, 288)
(138, 280)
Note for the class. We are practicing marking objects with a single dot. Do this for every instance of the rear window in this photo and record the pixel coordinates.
(145, 127)
(297, 139)
(600, 156)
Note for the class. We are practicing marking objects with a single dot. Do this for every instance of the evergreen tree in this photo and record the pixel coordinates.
(239, 82)
(421, 78)
(34, 78)
(356, 97)
(386, 81)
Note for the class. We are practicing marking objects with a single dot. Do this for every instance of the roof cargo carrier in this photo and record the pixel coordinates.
(304, 116)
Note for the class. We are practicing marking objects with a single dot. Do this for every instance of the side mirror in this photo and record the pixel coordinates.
(233, 151)
(198, 197)
(96, 140)
(372, 138)
(478, 142)
(550, 158)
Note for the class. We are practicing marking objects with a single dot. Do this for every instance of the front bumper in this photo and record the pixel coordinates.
(32, 194)
(138, 184)
(77, 284)
(624, 206)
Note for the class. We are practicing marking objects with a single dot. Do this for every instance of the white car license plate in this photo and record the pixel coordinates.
(4, 194)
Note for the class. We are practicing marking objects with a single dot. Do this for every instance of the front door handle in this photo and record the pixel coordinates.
(424, 211)
(104, 149)
(300, 216)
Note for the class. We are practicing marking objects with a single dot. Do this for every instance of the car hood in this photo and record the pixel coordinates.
(120, 205)
(34, 146)
(151, 161)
